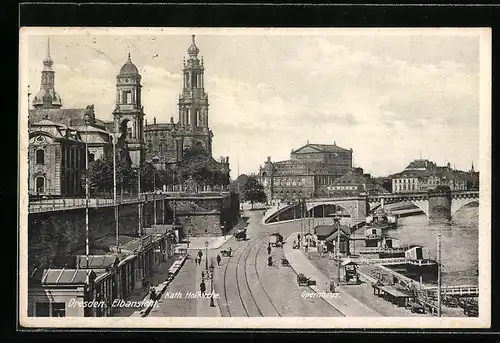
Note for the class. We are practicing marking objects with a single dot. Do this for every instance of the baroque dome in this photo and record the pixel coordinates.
(129, 68)
(193, 49)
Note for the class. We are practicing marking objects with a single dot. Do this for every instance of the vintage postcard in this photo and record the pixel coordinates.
(255, 178)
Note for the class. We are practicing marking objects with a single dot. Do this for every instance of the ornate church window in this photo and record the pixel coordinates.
(40, 156)
(40, 184)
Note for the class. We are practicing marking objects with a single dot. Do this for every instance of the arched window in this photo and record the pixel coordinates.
(91, 157)
(40, 184)
(40, 156)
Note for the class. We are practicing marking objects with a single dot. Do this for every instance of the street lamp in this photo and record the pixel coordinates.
(87, 246)
(439, 273)
(154, 200)
(206, 255)
(212, 285)
(115, 138)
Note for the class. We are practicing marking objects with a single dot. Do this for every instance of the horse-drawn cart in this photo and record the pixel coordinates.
(226, 253)
(276, 240)
(284, 262)
(302, 280)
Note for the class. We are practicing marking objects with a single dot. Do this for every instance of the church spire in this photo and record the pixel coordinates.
(47, 96)
(193, 50)
(472, 167)
(48, 62)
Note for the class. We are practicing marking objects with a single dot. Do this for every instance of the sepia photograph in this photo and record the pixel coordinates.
(255, 178)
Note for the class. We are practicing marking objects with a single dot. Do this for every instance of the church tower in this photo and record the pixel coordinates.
(129, 112)
(47, 96)
(193, 101)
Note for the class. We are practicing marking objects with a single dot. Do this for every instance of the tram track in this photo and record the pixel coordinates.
(245, 274)
(275, 311)
(251, 304)
(226, 299)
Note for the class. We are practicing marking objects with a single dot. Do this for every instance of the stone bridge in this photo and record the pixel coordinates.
(438, 207)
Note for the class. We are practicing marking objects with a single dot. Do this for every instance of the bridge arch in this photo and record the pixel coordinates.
(329, 208)
(423, 205)
(458, 204)
(357, 208)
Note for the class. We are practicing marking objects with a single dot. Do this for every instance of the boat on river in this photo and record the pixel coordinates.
(383, 219)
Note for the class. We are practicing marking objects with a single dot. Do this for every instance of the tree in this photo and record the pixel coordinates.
(149, 177)
(253, 191)
(100, 175)
(239, 183)
(198, 165)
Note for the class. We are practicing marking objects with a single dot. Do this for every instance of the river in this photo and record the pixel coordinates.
(459, 243)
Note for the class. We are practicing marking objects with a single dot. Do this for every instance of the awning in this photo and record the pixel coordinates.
(333, 236)
(323, 231)
(348, 261)
(126, 259)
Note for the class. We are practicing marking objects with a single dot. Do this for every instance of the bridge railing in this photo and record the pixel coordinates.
(61, 204)
(382, 261)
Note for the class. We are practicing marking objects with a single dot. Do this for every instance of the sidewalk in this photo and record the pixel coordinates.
(203, 308)
(159, 280)
(345, 303)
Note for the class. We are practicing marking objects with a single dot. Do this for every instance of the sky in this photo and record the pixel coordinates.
(391, 97)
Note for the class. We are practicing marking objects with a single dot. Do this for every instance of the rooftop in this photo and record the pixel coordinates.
(66, 276)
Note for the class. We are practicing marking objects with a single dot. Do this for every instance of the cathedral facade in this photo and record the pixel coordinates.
(59, 136)
(166, 142)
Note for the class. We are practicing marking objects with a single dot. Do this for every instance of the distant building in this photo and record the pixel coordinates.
(424, 175)
(308, 172)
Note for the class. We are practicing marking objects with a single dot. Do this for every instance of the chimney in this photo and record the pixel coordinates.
(154, 120)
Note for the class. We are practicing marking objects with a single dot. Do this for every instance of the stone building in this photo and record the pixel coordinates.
(56, 159)
(166, 142)
(308, 172)
(57, 136)
(128, 115)
(424, 175)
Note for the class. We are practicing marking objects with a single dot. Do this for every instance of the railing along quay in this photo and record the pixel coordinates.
(458, 290)
(63, 204)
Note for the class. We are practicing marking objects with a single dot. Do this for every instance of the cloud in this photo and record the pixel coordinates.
(391, 99)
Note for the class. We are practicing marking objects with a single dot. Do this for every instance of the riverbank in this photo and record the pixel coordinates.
(364, 292)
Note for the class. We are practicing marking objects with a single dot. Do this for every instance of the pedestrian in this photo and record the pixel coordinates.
(202, 275)
(152, 292)
(270, 261)
(200, 254)
(202, 287)
(196, 260)
(218, 259)
(269, 250)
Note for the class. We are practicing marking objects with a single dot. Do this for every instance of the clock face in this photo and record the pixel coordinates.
(127, 80)
(40, 139)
